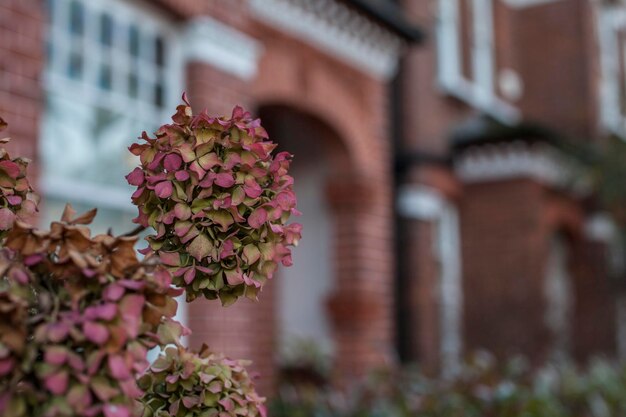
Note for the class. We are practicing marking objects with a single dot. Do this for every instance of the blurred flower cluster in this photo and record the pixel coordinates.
(219, 202)
(17, 200)
(483, 388)
(77, 315)
(184, 383)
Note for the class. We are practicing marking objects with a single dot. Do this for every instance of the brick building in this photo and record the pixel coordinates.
(499, 247)
(434, 176)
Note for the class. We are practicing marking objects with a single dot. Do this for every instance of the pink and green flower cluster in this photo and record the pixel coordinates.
(77, 316)
(219, 202)
(17, 200)
(182, 383)
(79, 313)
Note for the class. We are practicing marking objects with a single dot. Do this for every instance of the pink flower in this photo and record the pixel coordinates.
(210, 182)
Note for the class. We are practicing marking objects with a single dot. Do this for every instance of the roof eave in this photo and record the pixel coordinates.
(390, 16)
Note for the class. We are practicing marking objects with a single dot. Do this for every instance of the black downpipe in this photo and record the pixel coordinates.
(401, 305)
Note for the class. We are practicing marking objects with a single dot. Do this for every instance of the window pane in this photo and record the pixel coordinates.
(77, 18)
(75, 65)
(133, 39)
(158, 95)
(159, 51)
(93, 147)
(106, 77)
(49, 50)
(106, 29)
(50, 7)
(133, 85)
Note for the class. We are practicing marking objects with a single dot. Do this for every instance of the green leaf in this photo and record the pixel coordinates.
(239, 195)
(251, 254)
(200, 247)
(200, 204)
(221, 217)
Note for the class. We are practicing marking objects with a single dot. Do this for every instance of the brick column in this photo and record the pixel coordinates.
(22, 28)
(361, 307)
(594, 321)
(245, 330)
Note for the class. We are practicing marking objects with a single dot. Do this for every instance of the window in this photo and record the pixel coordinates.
(112, 72)
(559, 298)
(466, 56)
(611, 27)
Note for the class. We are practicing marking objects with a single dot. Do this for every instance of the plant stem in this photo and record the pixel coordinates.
(135, 231)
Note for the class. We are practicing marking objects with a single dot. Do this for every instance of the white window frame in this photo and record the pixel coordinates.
(429, 205)
(602, 228)
(609, 21)
(56, 82)
(560, 298)
(480, 92)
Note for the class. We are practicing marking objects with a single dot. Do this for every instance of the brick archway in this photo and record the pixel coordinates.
(358, 306)
(353, 106)
(307, 136)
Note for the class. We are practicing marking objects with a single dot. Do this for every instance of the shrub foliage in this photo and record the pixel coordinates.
(483, 388)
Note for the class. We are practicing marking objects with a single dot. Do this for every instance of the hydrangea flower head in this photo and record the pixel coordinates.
(218, 200)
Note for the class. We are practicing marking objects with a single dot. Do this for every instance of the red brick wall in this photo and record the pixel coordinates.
(182, 9)
(595, 314)
(428, 114)
(503, 248)
(557, 77)
(21, 62)
(216, 91)
(506, 230)
(232, 12)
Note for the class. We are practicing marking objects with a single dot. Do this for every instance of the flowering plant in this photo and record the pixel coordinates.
(184, 383)
(17, 200)
(218, 201)
(78, 313)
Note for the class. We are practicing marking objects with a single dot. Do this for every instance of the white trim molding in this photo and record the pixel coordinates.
(519, 159)
(521, 4)
(420, 202)
(212, 42)
(601, 227)
(336, 29)
(560, 299)
(113, 69)
(428, 204)
(610, 22)
(620, 323)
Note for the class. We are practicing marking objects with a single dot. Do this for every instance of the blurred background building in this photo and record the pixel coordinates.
(441, 159)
